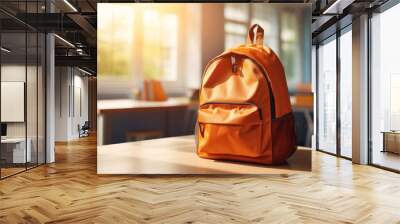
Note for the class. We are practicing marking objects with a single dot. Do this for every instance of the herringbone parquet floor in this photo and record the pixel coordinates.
(69, 191)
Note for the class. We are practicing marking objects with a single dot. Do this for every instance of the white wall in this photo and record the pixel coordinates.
(71, 87)
(33, 126)
(13, 101)
(62, 81)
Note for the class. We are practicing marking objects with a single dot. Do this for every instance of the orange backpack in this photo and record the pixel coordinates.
(245, 112)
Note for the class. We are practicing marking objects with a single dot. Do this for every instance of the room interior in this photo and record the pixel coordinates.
(66, 110)
(127, 116)
(24, 99)
(22, 102)
(188, 49)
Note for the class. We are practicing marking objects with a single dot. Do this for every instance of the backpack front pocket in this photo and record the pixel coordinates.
(230, 129)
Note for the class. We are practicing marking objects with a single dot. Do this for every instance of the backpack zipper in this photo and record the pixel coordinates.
(265, 74)
(241, 103)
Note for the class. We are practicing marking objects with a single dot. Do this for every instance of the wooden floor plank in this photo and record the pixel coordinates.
(70, 191)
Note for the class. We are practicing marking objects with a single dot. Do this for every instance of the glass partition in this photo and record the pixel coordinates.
(14, 153)
(31, 98)
(326, 101)
(385, 89)
(346, 93)
(22, 78)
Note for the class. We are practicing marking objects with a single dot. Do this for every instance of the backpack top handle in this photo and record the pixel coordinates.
(259, 35)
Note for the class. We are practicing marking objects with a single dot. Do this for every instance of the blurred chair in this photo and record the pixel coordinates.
(190, 119)
(303, 101)
(304, 126)
(191, 112)
(84, 130)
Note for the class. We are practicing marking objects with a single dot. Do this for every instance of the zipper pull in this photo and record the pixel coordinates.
(233, 62)
(201, 129)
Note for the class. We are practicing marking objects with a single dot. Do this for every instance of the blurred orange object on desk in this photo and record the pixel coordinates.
(303, 97)
(153, 91)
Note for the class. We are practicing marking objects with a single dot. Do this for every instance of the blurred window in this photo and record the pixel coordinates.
(283, 32)
(160, 46)
(267, 17)
(127, 48)
(290, 50)
(236, 23)
(236, 12)
(115, 41)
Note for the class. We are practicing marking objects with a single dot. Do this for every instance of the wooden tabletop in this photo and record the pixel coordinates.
(119, 105)
(177, 155)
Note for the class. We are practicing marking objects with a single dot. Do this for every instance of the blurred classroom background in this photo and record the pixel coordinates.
(151, 58)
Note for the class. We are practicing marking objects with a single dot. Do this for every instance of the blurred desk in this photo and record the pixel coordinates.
(13, 150)
(129, 105)
(116, 117)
